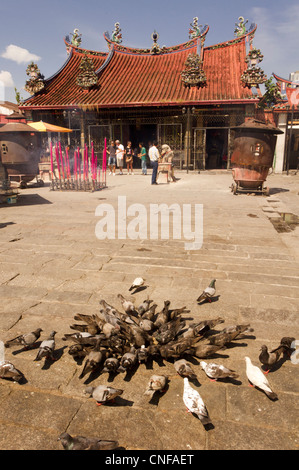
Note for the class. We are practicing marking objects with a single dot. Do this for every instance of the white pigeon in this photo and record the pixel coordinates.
(138, 282)
(217, 371)
(194, 403)
(208, 292)
(258, 379)
(7, 369)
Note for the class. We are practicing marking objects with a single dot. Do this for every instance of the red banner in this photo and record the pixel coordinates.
(293, 96)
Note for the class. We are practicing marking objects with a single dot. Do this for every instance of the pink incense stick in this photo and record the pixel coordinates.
(61, 160)
(51, 157)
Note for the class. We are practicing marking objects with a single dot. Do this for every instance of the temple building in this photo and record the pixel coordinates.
(286, 111)
(188, 95)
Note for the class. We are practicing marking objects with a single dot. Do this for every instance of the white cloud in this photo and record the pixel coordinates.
(19, 54)
(277, 37)
(6, 79)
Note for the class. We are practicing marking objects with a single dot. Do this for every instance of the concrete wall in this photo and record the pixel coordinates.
(280, 144)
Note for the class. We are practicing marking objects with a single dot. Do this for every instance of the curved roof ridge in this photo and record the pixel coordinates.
(104, 65)
(164, 50)
(230, 42)
(280, 79)
(82, 50)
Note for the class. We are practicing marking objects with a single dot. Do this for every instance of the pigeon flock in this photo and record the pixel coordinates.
(117, 341)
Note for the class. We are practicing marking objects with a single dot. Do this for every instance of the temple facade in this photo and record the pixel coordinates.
(188, 96)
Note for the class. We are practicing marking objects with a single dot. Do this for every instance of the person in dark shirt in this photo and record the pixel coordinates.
(129, 157)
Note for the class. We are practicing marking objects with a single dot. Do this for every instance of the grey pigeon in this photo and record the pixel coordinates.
(270, 359)
(128, 306)
(177, 347)
(78, 350)
(9, 371)
(258, 379)
(157, 383)
(27, 340)
(71, 336)
(144, 307)
(46, 348)
(163, 316)
(287, 343)
(168, 331)
(146, 325)
(184, 369)
(142, 354)
(92, 326)
(195, 403)
(128, 360)
(217, 371)
(227, 335)
(202, 350)
(111, 364)
(200, 328)
(85, 443)
(150, 313)
(103, 393)
(93, 360)
(208, 292)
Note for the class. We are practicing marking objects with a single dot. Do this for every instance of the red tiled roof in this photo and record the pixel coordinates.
(129, 79)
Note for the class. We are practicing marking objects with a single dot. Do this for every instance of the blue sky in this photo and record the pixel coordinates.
(34, 30)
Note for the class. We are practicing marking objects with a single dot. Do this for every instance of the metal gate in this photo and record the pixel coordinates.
(97, 134)
(199, 154)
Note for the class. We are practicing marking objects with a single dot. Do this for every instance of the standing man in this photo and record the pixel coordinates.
(120, 151)
(154, 156)
(142, 156)
(112, 157)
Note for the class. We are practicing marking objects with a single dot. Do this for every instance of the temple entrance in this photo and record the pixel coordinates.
(145, 133)
(216, 148)
(210, 149)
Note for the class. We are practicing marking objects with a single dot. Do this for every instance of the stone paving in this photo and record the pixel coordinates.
(53, 267)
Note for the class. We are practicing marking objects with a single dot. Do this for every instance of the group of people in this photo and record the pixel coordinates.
(118, 156)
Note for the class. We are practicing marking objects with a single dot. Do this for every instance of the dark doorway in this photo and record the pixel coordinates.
(145, 133)
(216, 148)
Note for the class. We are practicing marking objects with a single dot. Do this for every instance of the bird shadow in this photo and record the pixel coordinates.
(111, 376)
(275, 367)
(158, 395)
(93, 375)
(130, 373)
(159, 360)
(119, 401)
(208, 426)
(138, 289)
(232, 344)
(24, 349)
(21, 380)
(56, 356)
(210, 300)
(230, 380)
(78, 360)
